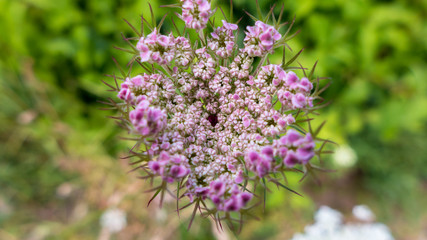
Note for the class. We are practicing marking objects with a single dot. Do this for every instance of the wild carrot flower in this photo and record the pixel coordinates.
(214, 119)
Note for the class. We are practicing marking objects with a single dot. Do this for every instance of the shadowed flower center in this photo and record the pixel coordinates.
(213, 119)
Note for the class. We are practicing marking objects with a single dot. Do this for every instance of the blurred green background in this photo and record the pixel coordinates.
(60, 166)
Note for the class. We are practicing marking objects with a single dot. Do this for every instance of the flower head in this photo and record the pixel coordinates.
(211, 117)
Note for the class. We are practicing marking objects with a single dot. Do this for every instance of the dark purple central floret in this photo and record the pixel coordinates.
(213, 119)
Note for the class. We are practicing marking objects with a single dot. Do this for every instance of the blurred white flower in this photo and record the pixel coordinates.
(363, 213)
(345, 156)
(328, 226)
(327, 216)
(114, 220)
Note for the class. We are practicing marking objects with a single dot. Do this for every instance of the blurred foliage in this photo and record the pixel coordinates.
(53, 135)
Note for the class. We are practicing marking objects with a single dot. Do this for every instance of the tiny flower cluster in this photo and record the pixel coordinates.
(147, 120)
(170, 168)
(211, 119)
(294, 148)
(289, 150)
(231, 199)
(260, 39)
(222, 41)
(156, 48)
(196, 13)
